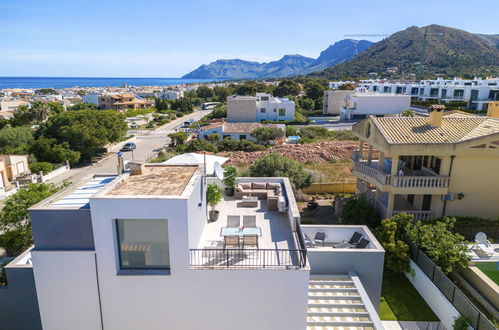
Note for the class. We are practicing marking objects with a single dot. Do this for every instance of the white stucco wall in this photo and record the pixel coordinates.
(66, 287)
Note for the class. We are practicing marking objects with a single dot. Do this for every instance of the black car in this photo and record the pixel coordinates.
(129, 146)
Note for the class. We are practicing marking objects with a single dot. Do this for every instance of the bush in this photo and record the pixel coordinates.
(391, 236)
(43, 167)
(200, 145)
(359, 211)
(460, 323)
(277, 165)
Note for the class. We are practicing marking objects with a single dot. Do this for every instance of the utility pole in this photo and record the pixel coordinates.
(423, 51)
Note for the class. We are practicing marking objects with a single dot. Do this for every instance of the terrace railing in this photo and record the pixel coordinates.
(247, 258)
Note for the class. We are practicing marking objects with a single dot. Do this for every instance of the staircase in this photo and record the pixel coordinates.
(335, 303)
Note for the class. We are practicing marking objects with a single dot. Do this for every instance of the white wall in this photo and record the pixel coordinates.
(432, 295)
(66, 287)
(187, 298)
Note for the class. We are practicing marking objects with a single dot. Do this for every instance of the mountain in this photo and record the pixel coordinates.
(449, 52)
(288, 65)
(341, 51)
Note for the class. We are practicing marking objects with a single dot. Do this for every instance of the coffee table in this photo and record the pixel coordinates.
(249, 201)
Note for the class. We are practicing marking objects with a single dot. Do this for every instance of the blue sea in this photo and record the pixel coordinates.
(66, 82)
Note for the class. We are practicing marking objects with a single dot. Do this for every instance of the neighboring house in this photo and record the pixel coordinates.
(363, 104)
(16, 165)
(11, 105)
(91, 98)
(236, 131)
(335, 100)
(122, 102)
(164, 95)
(475, 92)
(260, 107)
(137, 251)
(442, 165)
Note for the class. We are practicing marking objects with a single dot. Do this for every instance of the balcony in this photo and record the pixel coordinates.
(436, 184)
(280, 244)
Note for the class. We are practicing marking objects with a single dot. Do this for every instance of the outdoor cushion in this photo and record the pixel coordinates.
(259, 185)
(273, 185)
(245, 185)
(259, 191)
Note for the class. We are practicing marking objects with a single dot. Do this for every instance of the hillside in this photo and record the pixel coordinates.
(454, 53)
(288, 65)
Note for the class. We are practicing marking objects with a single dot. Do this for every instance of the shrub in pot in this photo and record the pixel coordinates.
(214, 195)
(230, 180)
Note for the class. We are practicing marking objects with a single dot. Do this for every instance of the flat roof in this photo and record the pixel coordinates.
(155, 180)
(79, 198)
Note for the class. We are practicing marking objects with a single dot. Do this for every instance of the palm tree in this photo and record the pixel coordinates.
(41, 112)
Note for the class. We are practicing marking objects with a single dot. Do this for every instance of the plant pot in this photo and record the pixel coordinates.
(214, 215)
(229, 191)
(312, 205)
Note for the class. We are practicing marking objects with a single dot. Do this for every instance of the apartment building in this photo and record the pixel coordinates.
(260, 107)
(442, 165)
(165, 94)
(122, 102)
(137, 251)
(363, 104)
(335, 100)
(237, 131)
(475, 92)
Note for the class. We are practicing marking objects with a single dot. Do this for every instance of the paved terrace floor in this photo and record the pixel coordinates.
(276, 235)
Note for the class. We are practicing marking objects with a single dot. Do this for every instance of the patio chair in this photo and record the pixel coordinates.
(354, 240)
(320, 236)
(250, 240)
(233, 221)
(308, 241)
(249, 221)
(231, 241)
(363, 243)
(482, 246)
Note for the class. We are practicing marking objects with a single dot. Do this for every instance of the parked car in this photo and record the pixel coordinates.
(129, 146)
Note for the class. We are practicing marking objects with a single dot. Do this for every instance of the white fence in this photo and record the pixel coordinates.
(54, 173)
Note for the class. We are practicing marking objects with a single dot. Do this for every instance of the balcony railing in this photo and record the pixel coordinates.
(248, 258)
(421, 181)
(418, 215)
(426, 181)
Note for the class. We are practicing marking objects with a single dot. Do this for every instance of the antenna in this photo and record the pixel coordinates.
(219, 171)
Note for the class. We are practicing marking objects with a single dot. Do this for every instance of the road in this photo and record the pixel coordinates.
(146, 145)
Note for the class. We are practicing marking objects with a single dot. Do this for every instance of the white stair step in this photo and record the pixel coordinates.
(339, 314)
(347, 289)
(331, 286)
(330, 283)
(341, 323)
(337, 304)
(330, 278)
(348, 309)
(339, 328)
(333, 294)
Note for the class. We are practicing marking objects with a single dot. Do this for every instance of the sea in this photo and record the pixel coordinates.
(67, 82)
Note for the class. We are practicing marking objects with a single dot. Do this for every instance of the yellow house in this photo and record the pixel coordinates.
(443, 165)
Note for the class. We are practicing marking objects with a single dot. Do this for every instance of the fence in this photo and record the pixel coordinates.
(247, 258)
(453, 294)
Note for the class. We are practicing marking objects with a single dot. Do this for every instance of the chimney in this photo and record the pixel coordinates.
(136, 167)
(436, 114)
(493, 109)
(121, 163)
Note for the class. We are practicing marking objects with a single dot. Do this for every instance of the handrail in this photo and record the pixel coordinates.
(247, 258)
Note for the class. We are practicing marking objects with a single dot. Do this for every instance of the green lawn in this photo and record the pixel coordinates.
(400, 300)
(489, 269)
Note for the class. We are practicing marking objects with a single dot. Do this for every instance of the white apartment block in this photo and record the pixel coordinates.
(475, 92)
(137, 251)
(260, 107)
(335, 100)
(363, 104)
(165, 94)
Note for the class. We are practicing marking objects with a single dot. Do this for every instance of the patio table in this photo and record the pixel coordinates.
(226, 231)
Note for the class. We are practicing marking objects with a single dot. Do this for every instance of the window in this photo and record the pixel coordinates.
(458, 93)
(143, 244)
(264, 98)
(242, 137)
(263, 110)
(282, 112)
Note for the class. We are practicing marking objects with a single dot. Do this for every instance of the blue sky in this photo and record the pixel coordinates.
(155, 38)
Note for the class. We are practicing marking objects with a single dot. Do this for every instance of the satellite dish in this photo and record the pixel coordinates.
(219, 171)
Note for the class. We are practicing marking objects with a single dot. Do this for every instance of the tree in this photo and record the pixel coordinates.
(201, 145)
(178, 138)
(306, 103)
(286, 88)
(359, 211)
(315, 90)
(446, 249)
(275, 164)
(14, 217)
(266, 134)
(222, 92)
(183, 104)
(391, 236)
(55, 107)
(84, 131)
(408, 113)
(205, 92)
(15, 137)
(22, 116)
(218, 112)
(49, 150)
(43, 167)
(347, 87)
(46, 91)
(82, 106)
(40, 112)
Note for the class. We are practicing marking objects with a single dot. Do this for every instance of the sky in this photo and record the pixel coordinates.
(163, 38)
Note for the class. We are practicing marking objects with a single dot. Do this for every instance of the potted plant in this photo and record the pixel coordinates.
(214, 195)
(230, 180)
